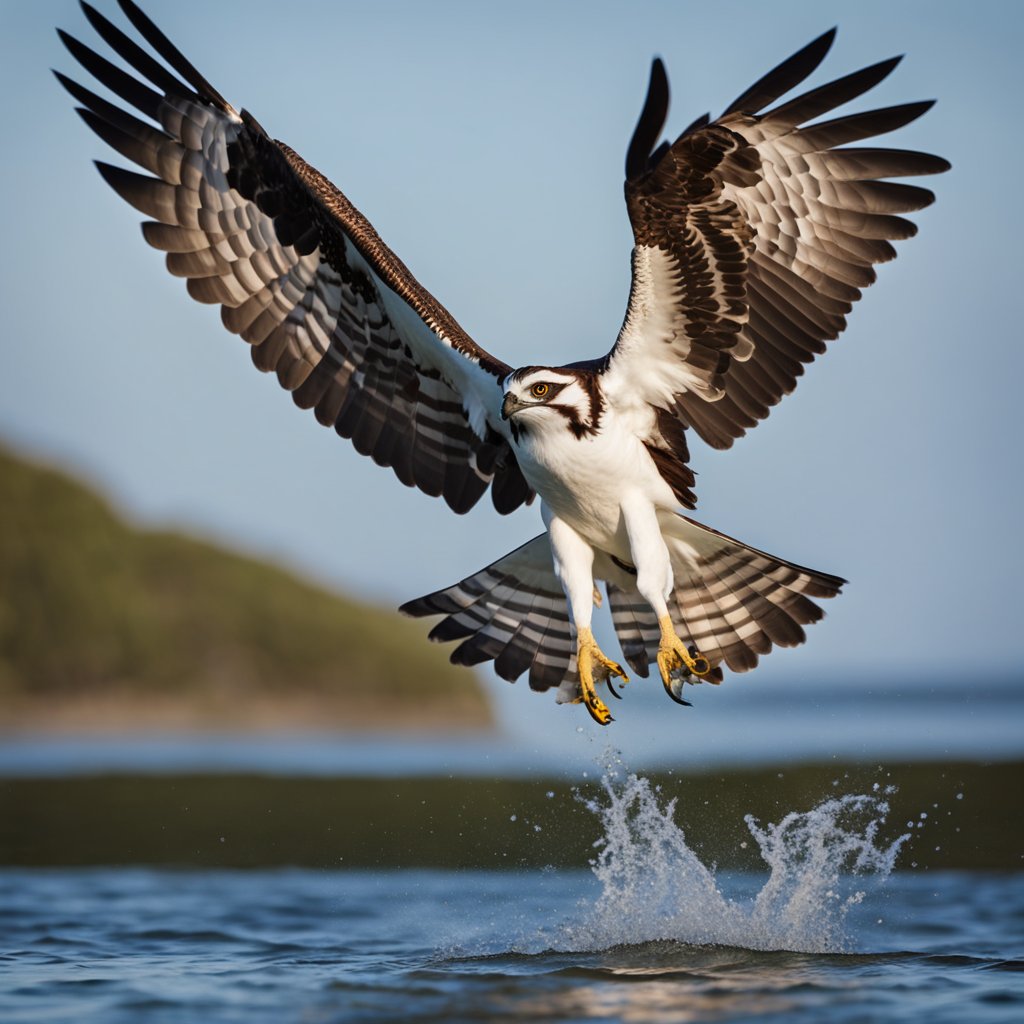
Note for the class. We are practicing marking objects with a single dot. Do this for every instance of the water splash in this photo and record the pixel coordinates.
(654, 887)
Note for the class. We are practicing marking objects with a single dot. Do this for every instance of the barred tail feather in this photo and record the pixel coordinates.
(512, 612)
(636, 627)
(732, 601)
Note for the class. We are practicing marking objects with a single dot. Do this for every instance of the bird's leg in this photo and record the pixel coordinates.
(674, 655)
(594, 667)
(574, 564)
(655, 579)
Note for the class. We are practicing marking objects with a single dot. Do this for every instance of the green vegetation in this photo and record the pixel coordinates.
(93, 608)
(970, 815)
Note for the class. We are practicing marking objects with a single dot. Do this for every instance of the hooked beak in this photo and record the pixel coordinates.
(510, 405)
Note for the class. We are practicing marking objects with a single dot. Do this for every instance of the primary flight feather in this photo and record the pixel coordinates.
(754, 234)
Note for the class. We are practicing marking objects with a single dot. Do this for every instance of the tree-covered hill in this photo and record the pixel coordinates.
(97, 614)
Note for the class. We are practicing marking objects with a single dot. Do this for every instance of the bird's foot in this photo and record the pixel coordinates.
(594, 667)
(677, 662)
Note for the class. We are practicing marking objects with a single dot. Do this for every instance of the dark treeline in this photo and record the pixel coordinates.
(970, 815)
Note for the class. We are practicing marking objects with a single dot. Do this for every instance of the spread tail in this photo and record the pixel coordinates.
(731, 601)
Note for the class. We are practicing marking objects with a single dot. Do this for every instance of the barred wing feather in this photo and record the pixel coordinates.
(299, 273)
(754, 235)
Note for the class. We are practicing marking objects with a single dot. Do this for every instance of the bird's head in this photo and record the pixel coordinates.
(545, 398)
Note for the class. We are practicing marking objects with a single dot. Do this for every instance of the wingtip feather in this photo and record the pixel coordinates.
(783, 77)
(170, 53)
(834, 94)
(651, 121)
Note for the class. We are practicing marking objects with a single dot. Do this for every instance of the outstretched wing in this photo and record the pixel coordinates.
(300, 274)
(754, 235)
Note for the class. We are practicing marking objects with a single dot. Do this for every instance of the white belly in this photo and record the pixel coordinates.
(585, 481)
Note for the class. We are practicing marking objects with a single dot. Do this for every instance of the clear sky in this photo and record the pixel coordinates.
(486, 142)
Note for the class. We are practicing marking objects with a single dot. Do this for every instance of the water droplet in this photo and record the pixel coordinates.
(655, 885)
(512, 817)
(550, 794)
(959, 796)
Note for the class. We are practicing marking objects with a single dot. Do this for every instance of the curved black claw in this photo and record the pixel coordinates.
(597, 710)
(678, 700)
(611, 689)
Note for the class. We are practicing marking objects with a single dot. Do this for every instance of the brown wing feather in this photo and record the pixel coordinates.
(754, 237)
(300, 274)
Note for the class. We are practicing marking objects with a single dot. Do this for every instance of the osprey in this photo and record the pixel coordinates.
(754, 235)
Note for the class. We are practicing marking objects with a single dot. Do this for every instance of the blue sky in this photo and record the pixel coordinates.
(486, 143)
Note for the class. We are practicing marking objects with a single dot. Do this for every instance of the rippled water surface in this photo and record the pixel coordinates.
(649, 934)
(120, 945)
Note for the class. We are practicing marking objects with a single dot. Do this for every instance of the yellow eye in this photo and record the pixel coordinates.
(539, 390)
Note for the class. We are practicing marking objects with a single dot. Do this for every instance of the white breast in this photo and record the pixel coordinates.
(584, 480)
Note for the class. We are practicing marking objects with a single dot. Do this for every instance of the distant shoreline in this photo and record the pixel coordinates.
(94, 714)
(111, 627)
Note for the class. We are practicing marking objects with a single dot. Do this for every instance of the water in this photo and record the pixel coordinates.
(649, 934)
(862, 721)
(654, 886)
(120, 946)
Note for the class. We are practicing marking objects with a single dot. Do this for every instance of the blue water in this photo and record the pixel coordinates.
(726, 726)
(120, 946)
(649, 933)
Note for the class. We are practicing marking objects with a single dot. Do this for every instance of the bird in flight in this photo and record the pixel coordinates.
(754, 234)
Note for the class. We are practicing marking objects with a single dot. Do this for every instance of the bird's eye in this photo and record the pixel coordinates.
(539, 390)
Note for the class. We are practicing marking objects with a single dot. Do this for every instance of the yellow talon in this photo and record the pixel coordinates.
(673, 655)
(592, 662)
